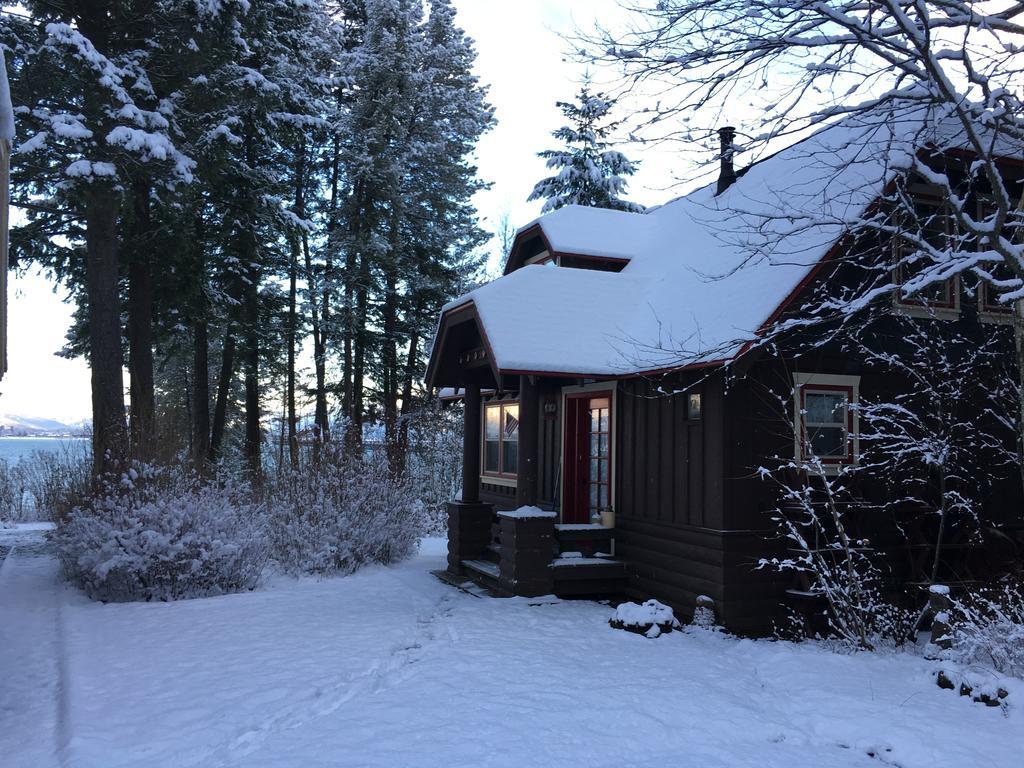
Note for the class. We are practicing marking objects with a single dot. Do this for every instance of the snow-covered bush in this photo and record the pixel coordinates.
(651, 619)
(435, 462)
(159, 533)
(342, 513)
(987, 629)
(44, 485)
(56, 481)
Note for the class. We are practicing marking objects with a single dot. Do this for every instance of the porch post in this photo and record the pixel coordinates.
(529, 433)
(471, 446)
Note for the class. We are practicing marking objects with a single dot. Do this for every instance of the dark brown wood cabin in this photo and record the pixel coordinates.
(559, 429)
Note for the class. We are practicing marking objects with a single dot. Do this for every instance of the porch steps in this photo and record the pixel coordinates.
(588, 576)
(483, 568)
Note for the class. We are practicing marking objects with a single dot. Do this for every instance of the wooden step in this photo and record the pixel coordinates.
(588, 576)
(493, 553)
(570, 532)
(482, 568)
(566, 568)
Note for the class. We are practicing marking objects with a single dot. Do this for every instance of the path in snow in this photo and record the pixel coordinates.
(390, 667)
(33, 702)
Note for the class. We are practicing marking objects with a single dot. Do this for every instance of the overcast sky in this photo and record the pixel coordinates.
(522, 59)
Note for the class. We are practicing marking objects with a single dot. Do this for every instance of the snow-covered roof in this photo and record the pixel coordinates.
(587, 231)
(705, 273)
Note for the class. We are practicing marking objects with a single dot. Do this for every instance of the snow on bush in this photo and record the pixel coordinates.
(987, 630)
(342, 513)
(158, 533)
(651, 618)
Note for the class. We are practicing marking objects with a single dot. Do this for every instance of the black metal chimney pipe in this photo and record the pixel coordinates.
(727, 174)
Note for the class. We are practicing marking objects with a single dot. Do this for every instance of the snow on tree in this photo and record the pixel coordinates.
(588, 171)
(795, 65)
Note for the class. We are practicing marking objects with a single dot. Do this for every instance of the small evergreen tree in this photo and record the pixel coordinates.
(588, 171)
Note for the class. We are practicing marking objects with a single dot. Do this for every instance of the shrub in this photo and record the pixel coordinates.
(435, 461)
(161, 534)
(342, 513)
(987, 629)
(57, 481)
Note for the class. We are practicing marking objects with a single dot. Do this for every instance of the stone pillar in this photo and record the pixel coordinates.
(527, 549)
(529, 437)
(471, 445)
(469, 532)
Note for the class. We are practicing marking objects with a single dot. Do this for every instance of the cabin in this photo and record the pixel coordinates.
(619, 406)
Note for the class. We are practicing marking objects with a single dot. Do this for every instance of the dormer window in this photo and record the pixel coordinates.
(990, 308)
(939, 299)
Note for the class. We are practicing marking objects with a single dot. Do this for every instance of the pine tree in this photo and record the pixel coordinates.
(98, 142)
(589, 172)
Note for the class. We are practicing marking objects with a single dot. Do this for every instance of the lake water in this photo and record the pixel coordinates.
(13, 449)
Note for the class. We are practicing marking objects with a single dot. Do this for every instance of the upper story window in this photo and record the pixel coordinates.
(938, 299)
(825, 411)
(990, 309)
(501, 439)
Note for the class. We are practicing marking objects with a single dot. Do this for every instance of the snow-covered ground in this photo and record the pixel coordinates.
(390, 667)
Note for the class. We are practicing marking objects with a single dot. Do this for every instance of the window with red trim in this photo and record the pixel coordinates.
(501, 439)
(827, 424)
(988, 296)
(936, 227)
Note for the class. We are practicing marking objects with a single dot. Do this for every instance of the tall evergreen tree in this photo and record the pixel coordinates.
(589, 172)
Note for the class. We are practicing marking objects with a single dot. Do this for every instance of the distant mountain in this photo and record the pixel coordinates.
(14, 425)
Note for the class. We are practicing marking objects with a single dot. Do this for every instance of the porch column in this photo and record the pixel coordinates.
(471, 446)
(529, 434)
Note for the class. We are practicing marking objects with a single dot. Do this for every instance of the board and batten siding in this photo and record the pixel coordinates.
(669, 500)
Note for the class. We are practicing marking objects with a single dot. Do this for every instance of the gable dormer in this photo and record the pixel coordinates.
(532, 246)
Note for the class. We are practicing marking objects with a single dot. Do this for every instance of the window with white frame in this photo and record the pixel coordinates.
(501, 439)
(825, 410)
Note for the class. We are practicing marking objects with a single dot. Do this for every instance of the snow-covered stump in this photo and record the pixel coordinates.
(704, 613)
(651, 619)
(469, 532)
(527, 549)
(938, 606)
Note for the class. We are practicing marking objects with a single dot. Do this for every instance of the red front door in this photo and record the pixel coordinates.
(587, 460)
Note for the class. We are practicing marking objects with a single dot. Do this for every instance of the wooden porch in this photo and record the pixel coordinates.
(517, 547)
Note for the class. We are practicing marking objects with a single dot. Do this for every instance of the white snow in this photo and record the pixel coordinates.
(390, 667)
(706, 272)
(525, 513)
(6, 107)
(639, 615)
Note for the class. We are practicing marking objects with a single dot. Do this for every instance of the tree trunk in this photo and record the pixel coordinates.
(389, 365)
(293, 440)
(220, 410)
(109, 431)
(402, 448)
(200, 356)
(293, 275)
(252, 372)
(320, 418)
(140, 328)
(201, 393)
(358, 333)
